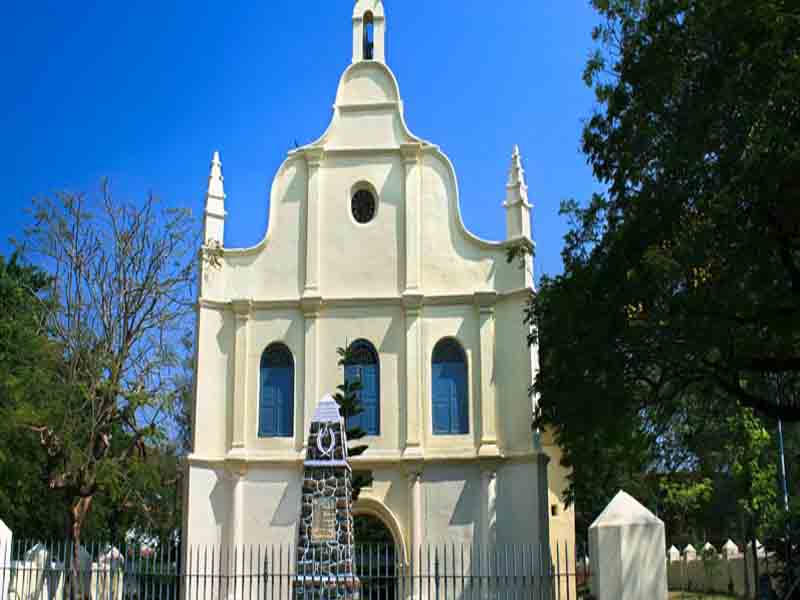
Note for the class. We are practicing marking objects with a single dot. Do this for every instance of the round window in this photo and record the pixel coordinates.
(363, 206)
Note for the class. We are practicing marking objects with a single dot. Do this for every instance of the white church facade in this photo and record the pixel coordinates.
(366, 246)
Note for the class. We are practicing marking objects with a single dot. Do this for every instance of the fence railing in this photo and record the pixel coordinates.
(55, 571)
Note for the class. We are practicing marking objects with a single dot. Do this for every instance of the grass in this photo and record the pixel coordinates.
(698, 596)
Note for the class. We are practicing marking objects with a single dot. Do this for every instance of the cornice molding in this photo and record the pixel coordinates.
(407, 300)
(366, 106)
(374, 458)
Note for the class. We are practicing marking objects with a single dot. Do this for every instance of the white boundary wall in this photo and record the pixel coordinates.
(726, 572)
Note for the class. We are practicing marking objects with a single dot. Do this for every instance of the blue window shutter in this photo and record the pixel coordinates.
(267, 426)
(464, 400)
(369, 399)
(461, 410)
(365, 368)
(442, 397)
(282, 384)
(353, 373)
(276, 405)
(449, 390)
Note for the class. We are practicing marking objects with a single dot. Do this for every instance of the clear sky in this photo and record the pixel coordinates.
(144, 92)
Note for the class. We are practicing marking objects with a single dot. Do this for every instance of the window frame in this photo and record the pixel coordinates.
(363, 186)
(458, 406)
(372, 429)
(284, 428)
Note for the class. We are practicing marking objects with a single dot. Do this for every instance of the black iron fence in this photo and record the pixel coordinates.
(153, 571)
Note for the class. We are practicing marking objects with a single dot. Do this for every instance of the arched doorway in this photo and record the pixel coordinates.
(370, 530)
(378, 557)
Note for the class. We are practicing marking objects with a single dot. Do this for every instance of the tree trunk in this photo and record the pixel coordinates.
(78, 512)
(756, 582)
(745, 534)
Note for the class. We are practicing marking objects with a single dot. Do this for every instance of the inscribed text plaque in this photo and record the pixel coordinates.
(323, 520)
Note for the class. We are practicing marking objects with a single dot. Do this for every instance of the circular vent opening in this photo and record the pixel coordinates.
(363, 206)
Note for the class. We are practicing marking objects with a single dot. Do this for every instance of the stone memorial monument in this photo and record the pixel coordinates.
(325, 566)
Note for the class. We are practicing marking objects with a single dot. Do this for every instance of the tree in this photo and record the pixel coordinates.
(349, 402)
(29, 363)
(680, 297)
(121, 286)
(697, 239)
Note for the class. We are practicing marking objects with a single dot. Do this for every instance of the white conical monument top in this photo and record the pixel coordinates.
(518, 209)
(624, 509)
(369, 31)
(214, 222)
(327, 411)
(327, 439)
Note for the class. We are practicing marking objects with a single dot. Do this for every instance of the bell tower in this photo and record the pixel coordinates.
(369, 31)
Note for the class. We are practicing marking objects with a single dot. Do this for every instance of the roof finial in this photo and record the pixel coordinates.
(518, 209)
(214, 222)
(516, 175)
(216, 187)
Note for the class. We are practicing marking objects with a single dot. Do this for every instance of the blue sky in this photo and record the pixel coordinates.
(144, 92)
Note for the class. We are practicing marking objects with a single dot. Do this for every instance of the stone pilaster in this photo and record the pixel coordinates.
(241, 310)
(489, 506)
(414, 362)
(314, 159)
(485, 303)
(312, 307)
(237, 474)
(415, 501)
(543, 484)
(412, 158)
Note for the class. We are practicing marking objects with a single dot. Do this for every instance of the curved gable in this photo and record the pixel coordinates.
(367, 83)
(417, 240)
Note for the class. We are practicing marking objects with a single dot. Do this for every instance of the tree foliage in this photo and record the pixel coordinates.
(29, 365)
(350, 406)
(120, 288)
(680, 297)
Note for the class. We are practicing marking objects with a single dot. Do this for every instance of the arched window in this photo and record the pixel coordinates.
(276, 404)
(364, 366)
(369, 39)
(449, 389)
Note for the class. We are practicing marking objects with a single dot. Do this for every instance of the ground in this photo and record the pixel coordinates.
(698, 596)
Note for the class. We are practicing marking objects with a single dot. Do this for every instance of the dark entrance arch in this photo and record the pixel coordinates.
(376, 558)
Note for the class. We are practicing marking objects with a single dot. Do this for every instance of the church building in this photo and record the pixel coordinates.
(366, 247)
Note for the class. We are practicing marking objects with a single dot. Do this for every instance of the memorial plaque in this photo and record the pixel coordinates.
(323, 520)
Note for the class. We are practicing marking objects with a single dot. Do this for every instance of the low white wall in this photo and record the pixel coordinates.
(38, 580)
(722, 575)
